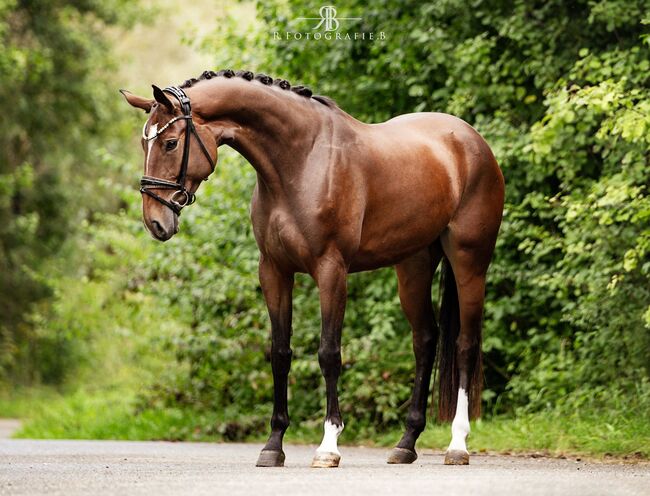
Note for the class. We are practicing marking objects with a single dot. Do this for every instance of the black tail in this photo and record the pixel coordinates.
(447, 359)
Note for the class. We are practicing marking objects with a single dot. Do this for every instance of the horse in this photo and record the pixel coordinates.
(336, 196)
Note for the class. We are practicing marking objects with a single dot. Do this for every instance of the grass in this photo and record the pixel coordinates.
(112, 414)
(556, 434)
(97, 415)
(592, 435)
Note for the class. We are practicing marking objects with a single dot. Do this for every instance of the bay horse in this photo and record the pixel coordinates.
(334, 196)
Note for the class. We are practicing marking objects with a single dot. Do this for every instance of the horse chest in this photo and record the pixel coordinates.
(285, 241)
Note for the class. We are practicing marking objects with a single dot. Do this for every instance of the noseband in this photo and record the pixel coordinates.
(149, 183)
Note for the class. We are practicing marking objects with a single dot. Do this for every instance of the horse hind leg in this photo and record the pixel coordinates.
(461, 377)
(414, 281)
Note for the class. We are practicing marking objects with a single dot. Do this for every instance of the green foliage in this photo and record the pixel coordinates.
(58, 119)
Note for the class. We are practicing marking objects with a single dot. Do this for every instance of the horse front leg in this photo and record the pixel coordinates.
(332, 283)
(277, 287)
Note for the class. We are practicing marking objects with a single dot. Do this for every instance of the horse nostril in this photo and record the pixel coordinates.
(158, 230)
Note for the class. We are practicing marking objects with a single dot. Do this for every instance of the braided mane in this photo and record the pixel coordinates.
(264, 79)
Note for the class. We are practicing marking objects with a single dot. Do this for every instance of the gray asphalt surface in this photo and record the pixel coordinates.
(157, 468)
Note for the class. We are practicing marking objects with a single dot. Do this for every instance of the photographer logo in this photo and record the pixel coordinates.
(327, 28)
(328, 18)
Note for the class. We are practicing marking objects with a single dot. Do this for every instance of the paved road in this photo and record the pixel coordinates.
(156, 468)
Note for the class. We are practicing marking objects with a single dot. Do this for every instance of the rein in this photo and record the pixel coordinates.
(149, 183)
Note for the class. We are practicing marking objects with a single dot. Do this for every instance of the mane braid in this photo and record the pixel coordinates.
(264, 79)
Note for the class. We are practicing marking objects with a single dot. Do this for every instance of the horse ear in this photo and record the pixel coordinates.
(138, 101)
(161, 98)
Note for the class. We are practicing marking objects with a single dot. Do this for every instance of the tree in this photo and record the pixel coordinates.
(57, 118)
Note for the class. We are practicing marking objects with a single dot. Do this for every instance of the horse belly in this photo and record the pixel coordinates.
(414, 181)
(404, 232)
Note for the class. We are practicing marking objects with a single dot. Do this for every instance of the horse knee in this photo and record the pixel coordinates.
(281, 359)
(329, 359)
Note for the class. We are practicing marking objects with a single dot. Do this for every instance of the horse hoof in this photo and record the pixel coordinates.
(402, 455)
(456, 457)
(326, 460)
(270, 458)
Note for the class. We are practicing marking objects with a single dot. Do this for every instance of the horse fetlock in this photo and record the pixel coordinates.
(331, 433)
(416, 422)
(279, 422)
(327, 454)
(460, 427)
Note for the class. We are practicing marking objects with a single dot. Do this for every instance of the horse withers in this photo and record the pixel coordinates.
(335, 196)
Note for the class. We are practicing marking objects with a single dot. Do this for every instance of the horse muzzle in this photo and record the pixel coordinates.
(162, 230)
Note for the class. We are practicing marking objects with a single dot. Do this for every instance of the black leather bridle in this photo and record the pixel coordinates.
(149, 183)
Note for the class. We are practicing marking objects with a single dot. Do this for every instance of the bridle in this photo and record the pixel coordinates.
(149, 183)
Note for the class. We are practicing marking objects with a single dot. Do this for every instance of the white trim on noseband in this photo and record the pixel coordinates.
(460, 425)
(330, 437)
(151, 137)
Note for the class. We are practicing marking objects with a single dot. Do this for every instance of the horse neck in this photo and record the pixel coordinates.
(274, 129)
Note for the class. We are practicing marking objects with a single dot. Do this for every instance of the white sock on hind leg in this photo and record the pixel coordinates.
(460, 425)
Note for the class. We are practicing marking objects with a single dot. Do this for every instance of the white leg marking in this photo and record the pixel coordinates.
(152, 132)
(330, 437)
(460, 425)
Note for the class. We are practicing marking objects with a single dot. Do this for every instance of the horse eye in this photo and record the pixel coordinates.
(170, 145)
